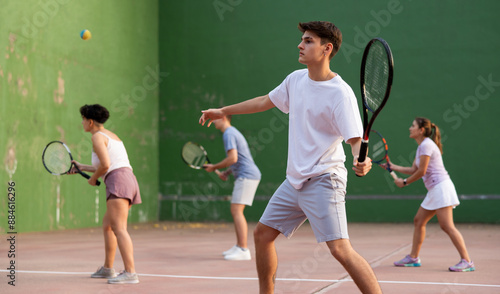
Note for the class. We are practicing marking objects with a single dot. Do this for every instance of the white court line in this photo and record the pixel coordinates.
(255, 279)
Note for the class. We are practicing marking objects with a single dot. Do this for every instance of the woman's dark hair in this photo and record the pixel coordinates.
(428, 126)
(95, 112)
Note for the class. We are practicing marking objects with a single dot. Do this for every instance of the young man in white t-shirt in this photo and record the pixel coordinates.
(323, 112)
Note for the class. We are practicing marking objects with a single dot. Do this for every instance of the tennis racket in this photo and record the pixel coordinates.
(378, 151)
(195, 156)
(57, 159)
(377, 67)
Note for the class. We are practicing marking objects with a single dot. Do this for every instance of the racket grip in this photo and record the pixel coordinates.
(362, 151)
(394, 176)
(98, 183)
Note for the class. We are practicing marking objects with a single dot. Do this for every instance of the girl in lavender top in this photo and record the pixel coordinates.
(441, 197)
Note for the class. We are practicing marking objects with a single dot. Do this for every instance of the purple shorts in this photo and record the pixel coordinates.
(121, 183)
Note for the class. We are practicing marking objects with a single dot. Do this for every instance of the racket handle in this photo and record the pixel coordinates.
(362, 152)
(98, 183)
(394, 176)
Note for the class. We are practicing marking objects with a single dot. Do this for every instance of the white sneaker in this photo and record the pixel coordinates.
(106, 273)
(230, 251)
(240, 254)
(124, 278)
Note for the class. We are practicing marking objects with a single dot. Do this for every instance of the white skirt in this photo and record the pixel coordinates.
(441, 195)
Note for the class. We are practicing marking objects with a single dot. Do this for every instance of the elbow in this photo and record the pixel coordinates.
(419, 174)
(105, 167)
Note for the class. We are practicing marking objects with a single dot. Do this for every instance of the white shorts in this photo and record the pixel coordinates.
(441, 195)
(244, 191)
(321, 200)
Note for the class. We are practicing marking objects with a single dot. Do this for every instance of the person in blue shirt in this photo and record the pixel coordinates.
(238, 162)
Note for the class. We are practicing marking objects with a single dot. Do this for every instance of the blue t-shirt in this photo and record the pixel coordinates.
(245, 166)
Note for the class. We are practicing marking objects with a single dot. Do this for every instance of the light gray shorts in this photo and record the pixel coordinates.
(321, 200)
(244, 191)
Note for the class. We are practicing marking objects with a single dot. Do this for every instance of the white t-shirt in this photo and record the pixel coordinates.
(321, 115)
(436, 172)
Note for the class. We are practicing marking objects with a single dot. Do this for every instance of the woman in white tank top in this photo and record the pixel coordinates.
(110, 161)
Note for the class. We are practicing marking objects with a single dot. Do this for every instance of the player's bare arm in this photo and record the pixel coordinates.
(257, 104)
(231, 158)
(418, 172)
(99, 146)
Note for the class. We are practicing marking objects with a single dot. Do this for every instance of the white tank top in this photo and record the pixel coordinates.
(117, 155)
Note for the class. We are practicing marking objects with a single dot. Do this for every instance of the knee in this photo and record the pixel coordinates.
(340, 250)
(418, 222)
(117, 226)
(106, 225)
(447, 228)
(237, 210)
(263, 234)
(257, 234)
(336, 252)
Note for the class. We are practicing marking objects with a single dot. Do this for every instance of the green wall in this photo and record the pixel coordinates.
(46, 73)
(222, 52)
(156, 64)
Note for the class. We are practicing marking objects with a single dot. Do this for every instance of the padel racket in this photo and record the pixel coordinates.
(378, 151)
(377, 67)
(57, 159)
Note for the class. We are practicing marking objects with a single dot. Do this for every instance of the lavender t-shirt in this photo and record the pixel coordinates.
(436, 172)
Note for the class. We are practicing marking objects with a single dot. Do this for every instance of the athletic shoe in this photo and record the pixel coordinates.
(463, 266)
(125, 278)
(408, 261)
(240, 254)
(104, 273)
(230, 251)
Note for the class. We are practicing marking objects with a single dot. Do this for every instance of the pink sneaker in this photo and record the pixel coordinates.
(408, 261)
(463, 266)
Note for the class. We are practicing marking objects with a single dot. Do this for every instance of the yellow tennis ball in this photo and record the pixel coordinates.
(85, 34)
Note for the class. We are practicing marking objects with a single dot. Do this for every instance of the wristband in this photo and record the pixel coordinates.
(404, 182)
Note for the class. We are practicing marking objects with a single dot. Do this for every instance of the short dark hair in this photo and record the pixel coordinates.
(326, 31)
(95, 112)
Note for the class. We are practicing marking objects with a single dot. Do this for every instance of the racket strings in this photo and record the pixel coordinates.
(57, 159)
(378, 148)
(376, 75)
(193, 155)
